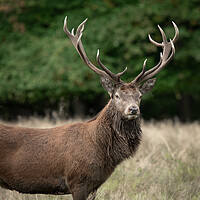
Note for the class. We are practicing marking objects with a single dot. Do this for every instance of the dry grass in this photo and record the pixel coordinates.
(166, 167)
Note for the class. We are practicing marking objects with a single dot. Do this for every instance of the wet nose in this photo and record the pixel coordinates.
(133, 110)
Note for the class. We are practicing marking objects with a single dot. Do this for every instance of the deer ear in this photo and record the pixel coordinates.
(107, 85)
(147, 86)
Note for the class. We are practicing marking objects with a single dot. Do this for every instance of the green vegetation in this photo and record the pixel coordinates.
(166, 166)
(39, 66)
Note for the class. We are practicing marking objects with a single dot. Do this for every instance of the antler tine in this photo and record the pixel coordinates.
(150, 70)
(165, 57)
(72, 31)
(81, 27)
(154, 42)
(176, 32)
(65, 27)
(121, 73)
(76, 41)
(112, 75)
(173, 51)
(142, 72)
(164, 37)
(115, 77)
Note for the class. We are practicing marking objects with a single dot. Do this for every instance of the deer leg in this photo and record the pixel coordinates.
(80, 194)
(92, 195)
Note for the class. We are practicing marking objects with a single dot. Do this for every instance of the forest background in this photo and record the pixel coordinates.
(42, 74)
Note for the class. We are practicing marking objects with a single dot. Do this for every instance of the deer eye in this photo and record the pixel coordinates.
(117, 96)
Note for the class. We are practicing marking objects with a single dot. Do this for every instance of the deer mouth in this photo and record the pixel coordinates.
(132, 116)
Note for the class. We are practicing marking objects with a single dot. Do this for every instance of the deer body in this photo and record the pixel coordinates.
(57, 160)
(77, 158)
(32, 159)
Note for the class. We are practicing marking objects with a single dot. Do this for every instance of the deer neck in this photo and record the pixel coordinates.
(119, 137)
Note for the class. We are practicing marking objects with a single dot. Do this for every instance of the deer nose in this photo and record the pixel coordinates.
(133, 110)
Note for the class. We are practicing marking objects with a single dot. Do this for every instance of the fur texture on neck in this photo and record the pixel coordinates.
(118, 137)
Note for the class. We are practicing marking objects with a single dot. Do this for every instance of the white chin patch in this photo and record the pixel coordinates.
(130, 117)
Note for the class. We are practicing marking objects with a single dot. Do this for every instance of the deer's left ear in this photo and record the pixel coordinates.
(107, 85)
(147, 86)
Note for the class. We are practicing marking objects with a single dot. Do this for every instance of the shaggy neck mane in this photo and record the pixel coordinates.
(119, 138)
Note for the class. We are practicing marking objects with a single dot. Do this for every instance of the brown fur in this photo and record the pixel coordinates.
(75, 158)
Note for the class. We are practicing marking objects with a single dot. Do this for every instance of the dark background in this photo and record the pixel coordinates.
(41, 73)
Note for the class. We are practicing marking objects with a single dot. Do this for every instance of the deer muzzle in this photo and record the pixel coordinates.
(132, 112)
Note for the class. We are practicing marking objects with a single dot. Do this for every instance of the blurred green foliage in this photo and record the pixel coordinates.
(39, 65)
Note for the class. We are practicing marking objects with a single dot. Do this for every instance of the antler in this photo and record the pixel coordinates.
(76, 41)
(165, 56)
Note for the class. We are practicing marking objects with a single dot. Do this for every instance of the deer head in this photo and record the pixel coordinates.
(126, 96)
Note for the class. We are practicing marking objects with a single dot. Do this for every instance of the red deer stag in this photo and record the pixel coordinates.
(78, 158)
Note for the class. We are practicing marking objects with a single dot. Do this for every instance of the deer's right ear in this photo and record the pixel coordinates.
(147, 86)
(107, 85)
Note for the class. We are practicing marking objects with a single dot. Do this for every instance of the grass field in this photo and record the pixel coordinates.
(166, 166)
